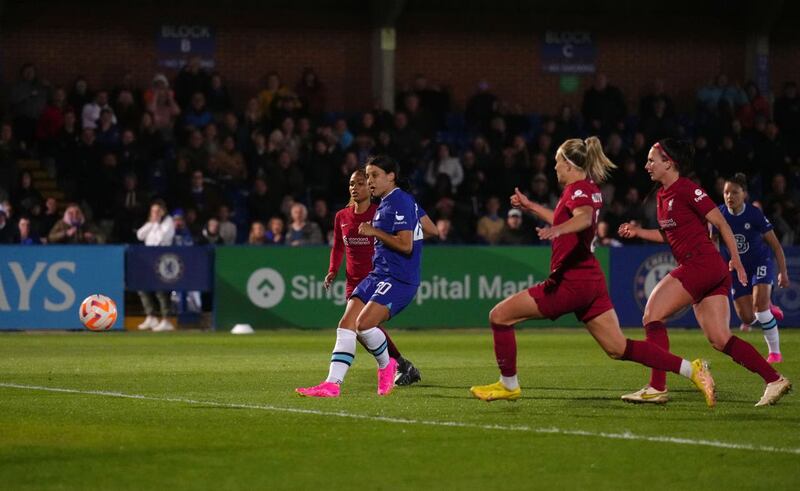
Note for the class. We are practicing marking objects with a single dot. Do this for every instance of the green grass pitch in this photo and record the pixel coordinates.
(216, 411)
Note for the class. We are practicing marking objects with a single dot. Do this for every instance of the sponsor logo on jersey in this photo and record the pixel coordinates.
(741, 242)
(399, 218)
(668, 223)
(700, 195)
(597, 197)
(578, 194)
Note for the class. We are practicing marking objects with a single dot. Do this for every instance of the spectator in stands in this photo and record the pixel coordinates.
(25, 234)
(253, 119)
(407, 140)
(274, 90)
(73, 228)
(201, 196)
(276, 234)
(513, 233)
(446, 164)
(323, 217)
(540, 192)
(197, 116)
(287, 177)
(659, 124)
(52, 119)
(27, 99)
(211, 138)
(568, 124)
(490, 225)
(191, 79)
(25, 196)
(285, 138)
(311, 93)
(49, 217)
(159, 230)
(218, 99)
(787, 116)
(783, 203)
(227, 229)
(227, 166)
(79, 95)
(183, 235)
(301, 231)
(159, 100)
(756, 105)
(6, 228)
(107, 132)
(657, 93)
(210, 234)
(257, 234)
(261, 203)
(90, 113)
(343, 135)
(603, 107)
(480, 108)
(419, 118)
(127, 110)
(447, 233)
(130, 208)
(196, 152)
(770, 153)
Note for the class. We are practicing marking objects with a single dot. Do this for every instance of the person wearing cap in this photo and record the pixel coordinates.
(513, 233)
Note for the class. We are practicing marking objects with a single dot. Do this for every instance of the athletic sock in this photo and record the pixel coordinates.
(511, 382)
(343, 354)
(505, 349)
(649, 354)
(375, 342)
(656, 333)
(744, 354)
(769, 326)
(393, 351)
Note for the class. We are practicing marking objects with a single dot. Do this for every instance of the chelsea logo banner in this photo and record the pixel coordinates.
(168, 268)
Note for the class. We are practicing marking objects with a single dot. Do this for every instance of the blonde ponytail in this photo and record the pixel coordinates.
(587, 155)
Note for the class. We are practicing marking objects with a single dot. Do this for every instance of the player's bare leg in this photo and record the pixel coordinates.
(744, 310)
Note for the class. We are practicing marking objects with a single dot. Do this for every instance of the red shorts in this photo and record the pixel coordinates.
(351, 285)
(704, 276)
(586, 298)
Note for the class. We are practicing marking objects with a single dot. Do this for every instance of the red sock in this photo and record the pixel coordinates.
(745, 355)
(650, 355)
(505, 349)
(393, 351)
(656, 333)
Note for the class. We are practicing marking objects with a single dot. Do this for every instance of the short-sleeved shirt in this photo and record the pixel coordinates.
(397, 212)
(748, 227)
(681, 211)
(358, 248)
(572, 256)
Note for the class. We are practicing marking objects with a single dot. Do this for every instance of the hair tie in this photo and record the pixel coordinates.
(664, 152)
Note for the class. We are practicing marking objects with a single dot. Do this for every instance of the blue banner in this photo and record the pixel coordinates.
(635, 271)
(41, 287)
(176, 43)
(168, 268)
(568, 52)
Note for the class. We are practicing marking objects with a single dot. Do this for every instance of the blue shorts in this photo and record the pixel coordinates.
(762, 273)
(387, 291)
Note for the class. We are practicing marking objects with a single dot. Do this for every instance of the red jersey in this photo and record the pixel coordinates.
(359, 248)
(681, 211)
(572, 256)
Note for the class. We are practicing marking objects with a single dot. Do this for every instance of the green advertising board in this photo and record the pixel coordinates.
(278, 287)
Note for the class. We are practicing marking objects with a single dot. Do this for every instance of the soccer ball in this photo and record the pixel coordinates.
(98, 312)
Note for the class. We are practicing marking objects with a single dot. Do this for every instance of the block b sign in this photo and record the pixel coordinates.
(284, 287)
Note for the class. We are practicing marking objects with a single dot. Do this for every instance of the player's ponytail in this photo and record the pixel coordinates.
(739, 179)
(587, 155)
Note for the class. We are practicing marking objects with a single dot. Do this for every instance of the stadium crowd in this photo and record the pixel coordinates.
(275, 172)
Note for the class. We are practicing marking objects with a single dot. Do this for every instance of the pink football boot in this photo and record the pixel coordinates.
(386, 378)
(325, 389)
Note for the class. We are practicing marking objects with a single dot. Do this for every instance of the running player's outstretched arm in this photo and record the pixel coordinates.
(519, 200)
(632, 230)
(337, 252)
(783, 275)
(581, 220)
(716, 219)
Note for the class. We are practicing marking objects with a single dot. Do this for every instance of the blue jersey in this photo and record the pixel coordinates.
(398, 211)
(748, 227)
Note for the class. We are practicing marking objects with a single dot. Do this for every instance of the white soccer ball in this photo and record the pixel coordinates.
(98, 313)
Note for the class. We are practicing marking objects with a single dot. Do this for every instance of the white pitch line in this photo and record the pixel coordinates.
(454, 424)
